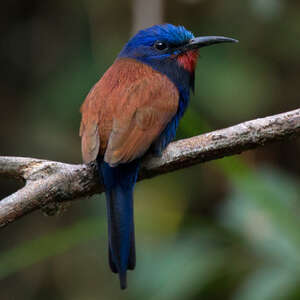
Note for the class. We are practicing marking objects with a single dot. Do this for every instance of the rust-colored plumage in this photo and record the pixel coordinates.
(123, 114)
(126, 111)
(135, 106)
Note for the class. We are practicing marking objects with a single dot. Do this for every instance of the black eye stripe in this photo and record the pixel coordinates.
(159, 45)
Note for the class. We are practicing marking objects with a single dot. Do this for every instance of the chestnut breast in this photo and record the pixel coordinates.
(126, 111)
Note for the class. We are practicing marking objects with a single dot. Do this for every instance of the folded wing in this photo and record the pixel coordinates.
(126, 111)
(146, 108)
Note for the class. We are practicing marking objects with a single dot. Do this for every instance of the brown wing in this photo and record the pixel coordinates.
(89, 129)
(90, 141)
(148, 105)
(126, 111)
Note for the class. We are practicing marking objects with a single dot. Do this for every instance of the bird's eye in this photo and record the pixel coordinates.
(160, 45)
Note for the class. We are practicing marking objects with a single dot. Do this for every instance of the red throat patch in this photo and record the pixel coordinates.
(188, 60)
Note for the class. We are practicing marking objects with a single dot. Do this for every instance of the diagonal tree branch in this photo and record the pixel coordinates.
(49, 182)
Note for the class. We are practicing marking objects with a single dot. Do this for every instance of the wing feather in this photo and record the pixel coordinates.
(134, 131)
(125, 112)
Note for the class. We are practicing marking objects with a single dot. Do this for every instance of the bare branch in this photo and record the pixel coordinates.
(48, 182)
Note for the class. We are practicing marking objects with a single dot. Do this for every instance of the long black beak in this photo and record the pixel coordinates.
(204, 41)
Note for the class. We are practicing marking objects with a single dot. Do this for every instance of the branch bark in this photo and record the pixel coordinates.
(49, 182)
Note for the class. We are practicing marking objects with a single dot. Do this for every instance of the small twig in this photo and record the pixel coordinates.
(48, 182)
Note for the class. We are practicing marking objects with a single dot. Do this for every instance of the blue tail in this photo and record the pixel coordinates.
(119, 182)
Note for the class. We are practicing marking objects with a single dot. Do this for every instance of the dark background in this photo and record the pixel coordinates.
(227, 229)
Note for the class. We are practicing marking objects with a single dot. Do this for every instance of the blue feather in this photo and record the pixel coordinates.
(165, 32)
(169, 133)
(119, 182)
(140, 48)
(171, 51)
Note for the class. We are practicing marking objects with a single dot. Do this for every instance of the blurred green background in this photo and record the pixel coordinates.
(228, 229)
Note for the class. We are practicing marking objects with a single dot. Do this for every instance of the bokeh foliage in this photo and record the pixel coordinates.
(227, 229)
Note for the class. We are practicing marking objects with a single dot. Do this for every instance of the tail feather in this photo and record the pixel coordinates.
(123, 280)
(132, 256)
(119, 182)
(111, 263)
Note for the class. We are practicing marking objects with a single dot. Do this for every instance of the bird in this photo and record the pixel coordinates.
(132, 111)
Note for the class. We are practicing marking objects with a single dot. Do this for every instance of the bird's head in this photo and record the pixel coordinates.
(170, 43)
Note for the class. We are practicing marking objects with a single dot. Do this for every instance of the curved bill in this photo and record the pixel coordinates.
(204, 41)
